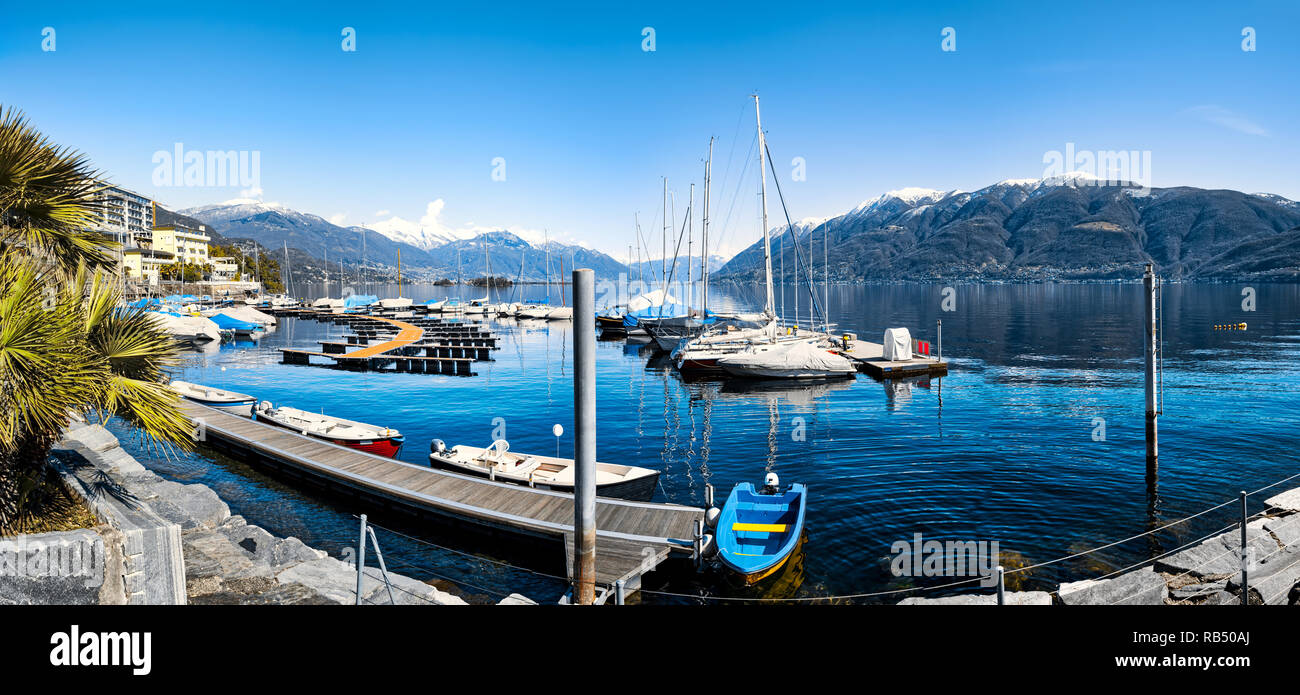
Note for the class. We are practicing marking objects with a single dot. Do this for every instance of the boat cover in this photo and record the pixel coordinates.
(898, 344)
(650, 299)
(226, 321)
(356, 300)
(800, 355)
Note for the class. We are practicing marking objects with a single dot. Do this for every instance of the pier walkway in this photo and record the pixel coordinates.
(632, 538)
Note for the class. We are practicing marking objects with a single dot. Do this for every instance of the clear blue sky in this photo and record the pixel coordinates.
(588, 123)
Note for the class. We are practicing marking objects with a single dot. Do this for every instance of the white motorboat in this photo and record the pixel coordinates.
(237, 403)
(562, 313)
(383, 441)
(395, 303)
(497, 462)
(192, 329)
(788, 359)
(535, 311)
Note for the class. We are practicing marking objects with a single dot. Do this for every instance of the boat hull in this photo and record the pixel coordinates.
(637, 490)
(240, 408)
(758, 533)
(388, 447)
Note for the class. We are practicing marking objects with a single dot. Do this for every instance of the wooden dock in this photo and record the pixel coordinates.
(870, 358)
(632, 538)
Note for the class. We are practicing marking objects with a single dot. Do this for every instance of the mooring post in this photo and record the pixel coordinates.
(620, 592)
(1002, 587)
(584, 436)
(1245, 586)
(361, 557)
(1149, 282)
(940, 340)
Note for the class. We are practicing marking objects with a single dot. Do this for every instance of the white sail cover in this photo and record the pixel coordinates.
(797, 358)
(187, 327)
(649, 299)
(248, 313)
(898, 344)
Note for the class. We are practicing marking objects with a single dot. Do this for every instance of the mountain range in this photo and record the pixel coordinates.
(275, 227)
(1069, 227)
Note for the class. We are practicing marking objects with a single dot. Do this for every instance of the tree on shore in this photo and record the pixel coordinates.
(66, 346)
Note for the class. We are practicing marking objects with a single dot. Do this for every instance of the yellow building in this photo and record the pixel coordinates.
(188, 245)
(144, 264)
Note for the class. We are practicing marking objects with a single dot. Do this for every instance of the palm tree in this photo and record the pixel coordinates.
(66, 347)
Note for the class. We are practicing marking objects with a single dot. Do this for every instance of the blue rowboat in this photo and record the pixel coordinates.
(758, 532)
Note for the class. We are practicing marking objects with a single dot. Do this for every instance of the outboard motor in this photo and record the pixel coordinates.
(771, 484)
(437, 446)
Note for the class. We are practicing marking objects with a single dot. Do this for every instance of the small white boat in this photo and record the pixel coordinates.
(535, 311)
(395, 303)
(237, 403)
(357, 435)
(548, 472)
(794, 359)
(563, 313)
(190, 329)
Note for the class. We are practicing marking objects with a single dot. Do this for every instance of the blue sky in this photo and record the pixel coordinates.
(587, 122)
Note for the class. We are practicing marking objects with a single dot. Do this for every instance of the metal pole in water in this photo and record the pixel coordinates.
(584, 436)
(1002, 587)
(1245, 587)
(361, 558)
(940, 329)
(1149, 283)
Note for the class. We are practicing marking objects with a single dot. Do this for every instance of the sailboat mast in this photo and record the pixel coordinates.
(770, 308)
(690, 241)
(399, 273)
(704, 234)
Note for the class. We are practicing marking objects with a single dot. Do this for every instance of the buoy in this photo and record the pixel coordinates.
(711, 517)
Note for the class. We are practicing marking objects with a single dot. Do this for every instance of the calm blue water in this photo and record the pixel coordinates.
(1000, 449)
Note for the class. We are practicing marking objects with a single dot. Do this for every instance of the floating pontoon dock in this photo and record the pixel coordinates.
(632, 538)
(870, 358)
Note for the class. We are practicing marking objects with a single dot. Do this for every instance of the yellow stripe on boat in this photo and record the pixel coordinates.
(769, 528)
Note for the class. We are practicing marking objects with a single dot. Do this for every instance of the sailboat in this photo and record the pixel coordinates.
(398, 302)
(562, 312)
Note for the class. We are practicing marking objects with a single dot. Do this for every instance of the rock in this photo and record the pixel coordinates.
(210, 554)
(1014, 598)
(1220, 555)
(331, 578)
(92, 438)
(1275, 580)
(190, 506)
(516, 600)
(407, 591)
(1222, 598)
(279, 553)
(1289, 500)
(1139, 587)
(1285, 528)
(1196, 591)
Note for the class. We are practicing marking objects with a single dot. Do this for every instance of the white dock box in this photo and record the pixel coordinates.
(898, 344)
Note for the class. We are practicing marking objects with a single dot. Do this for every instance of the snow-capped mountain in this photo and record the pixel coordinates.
(464, 253)
(1070, 226)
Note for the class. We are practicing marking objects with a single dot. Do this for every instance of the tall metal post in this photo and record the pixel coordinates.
(584, 440)
(1245, 586)
(1149, 282)
(940, 329)
(361, 558)
(1002, 586)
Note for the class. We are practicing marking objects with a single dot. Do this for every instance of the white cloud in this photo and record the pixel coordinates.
(338, 218)
(254, 192)
(383, 213)
(1228, 119)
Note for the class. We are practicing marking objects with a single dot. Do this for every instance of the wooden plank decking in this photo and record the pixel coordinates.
(631, 538)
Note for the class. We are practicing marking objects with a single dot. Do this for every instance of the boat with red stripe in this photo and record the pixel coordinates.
(382, 441)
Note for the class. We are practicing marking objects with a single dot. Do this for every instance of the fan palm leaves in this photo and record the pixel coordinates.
(66, 346)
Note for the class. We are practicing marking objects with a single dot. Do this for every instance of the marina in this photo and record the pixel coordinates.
(877, 454)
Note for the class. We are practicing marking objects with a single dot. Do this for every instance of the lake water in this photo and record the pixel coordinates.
(1002, 449)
